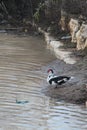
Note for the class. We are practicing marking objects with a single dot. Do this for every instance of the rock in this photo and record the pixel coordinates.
(81, 37)
(74, 27)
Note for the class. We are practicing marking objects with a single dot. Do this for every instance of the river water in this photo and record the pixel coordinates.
(22, 104)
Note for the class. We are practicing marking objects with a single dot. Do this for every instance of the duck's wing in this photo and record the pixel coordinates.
(59, 79)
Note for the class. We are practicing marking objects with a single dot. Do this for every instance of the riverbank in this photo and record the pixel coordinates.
(72, 63)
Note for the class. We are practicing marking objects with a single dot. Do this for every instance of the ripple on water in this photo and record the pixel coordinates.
(20, 81)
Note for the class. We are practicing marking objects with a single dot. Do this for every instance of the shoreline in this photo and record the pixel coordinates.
(57, 46)
(66, 64)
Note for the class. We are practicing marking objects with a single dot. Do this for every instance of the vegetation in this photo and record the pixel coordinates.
(40, 11)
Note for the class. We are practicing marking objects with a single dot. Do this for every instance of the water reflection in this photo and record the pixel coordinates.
(21, 59)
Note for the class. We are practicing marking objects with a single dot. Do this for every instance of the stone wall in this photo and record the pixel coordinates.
(81, 37)
(73, 15)
(79, 33)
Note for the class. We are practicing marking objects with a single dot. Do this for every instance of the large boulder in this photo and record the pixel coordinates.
(73, 27)
(81, 37)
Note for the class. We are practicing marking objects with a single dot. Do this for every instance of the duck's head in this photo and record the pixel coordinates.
(50, 71)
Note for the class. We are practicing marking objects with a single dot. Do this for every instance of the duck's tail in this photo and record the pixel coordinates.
(71, 77)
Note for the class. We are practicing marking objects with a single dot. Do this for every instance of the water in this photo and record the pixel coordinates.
(22, 104)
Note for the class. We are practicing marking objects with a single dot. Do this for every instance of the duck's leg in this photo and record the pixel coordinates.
(56, 84)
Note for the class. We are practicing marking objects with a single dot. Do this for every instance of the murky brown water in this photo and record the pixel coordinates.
(22, 105)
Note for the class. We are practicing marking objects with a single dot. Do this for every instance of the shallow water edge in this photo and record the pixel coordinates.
(75, 91)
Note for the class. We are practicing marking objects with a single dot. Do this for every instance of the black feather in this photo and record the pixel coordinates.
(59, 80)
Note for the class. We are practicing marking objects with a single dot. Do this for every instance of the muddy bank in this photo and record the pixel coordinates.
(71, 63)
(70, 93)
(74, 91)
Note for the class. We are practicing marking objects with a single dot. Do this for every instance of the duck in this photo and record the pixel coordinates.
(53, 79)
